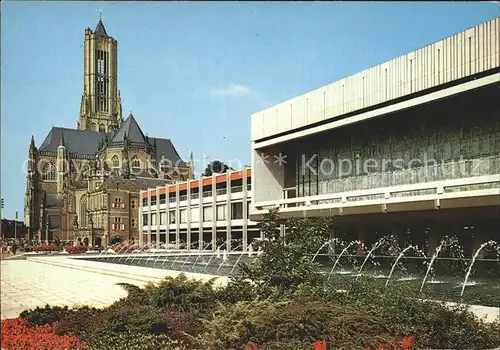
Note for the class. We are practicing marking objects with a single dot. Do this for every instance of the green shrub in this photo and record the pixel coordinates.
(285, 262)
(139, 318)
(179, 292)
(265, 322)
(40, 316)
(134, 341)
(80, 322)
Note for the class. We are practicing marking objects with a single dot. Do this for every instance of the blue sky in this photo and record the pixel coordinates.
(194, 72)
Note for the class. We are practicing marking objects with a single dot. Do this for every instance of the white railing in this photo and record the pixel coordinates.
(220, 191)
(236, 189)
(489, 184)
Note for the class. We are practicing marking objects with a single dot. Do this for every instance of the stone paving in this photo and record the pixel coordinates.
(61, 281)
(26, 284)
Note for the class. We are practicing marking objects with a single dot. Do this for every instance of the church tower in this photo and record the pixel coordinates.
(100, 108)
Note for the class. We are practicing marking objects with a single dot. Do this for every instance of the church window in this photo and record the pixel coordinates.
(49, 172)
(101, 81)
(83, 211)
(136, 163)
(92, 126)
(133, 223)
(102, 128)
(115, 162)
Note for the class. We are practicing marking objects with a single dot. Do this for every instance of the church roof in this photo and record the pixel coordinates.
(132, 131)
(134, 184)
(100, 31)
(129, 129)
(86, 142)
(83, 142)
(165, 149)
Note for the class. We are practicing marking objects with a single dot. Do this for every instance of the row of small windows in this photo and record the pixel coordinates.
(206, 214)
(48, 171)
(135, 162)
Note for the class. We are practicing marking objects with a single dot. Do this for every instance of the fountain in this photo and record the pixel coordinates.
(342, 253)
(166, 253)
(493, 244)
(189, 255)
(237, 261)
(250, 250)
(133, 245)
(399, 257)
(148, 245)
(329, 242)
(225, 257)
(445, 242)
(381, 241)
(217, 252)
(205, 246)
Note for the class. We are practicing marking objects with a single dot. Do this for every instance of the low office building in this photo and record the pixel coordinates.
(201, 213)
(410, 146)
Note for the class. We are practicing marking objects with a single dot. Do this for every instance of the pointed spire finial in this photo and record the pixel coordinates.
(100, 15)
(32, 143)
(61, 140)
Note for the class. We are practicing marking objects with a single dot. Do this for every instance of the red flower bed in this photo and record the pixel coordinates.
(46, 248)
(17, 335)
(76, 249)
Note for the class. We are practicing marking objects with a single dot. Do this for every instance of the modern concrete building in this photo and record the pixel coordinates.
(409, 145)
(196, 213)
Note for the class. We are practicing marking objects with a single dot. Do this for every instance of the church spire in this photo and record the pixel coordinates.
(100, 106)
(32, 143)
(100, 31)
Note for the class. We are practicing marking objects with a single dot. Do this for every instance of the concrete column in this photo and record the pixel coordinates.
(244, 233)
(140, 222)
(228, 210)
(214, 212)
(177, 217)
(188, 214)
(149, 216)
(157, 215)
(200, 219)
(167, 215)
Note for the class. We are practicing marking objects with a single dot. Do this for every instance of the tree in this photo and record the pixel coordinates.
(286, 261)
(216, 166)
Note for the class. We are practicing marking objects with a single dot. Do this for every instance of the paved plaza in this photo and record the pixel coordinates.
(61, 281)
(26, 284)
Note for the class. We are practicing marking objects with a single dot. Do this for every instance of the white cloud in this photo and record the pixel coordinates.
(231, 90)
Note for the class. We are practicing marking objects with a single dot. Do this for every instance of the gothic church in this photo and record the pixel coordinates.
(83, 184)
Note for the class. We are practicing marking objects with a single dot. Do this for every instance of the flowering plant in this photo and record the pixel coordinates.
(76, 249)
(46, 248)
(16, 334)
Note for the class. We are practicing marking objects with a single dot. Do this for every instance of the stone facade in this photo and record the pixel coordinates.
(75, 176)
